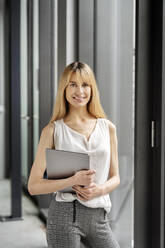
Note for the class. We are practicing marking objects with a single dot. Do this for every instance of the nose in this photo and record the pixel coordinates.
(79, 89)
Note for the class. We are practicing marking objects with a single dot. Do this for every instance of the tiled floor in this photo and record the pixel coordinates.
(26, 233)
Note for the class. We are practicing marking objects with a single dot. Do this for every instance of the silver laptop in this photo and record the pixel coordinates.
(62, 164)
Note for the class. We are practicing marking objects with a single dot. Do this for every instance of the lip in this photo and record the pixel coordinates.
(78, 98)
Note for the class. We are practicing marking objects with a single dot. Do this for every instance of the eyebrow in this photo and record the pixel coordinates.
(76, 82)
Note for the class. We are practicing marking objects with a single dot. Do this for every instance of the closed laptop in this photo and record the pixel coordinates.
(63, 164)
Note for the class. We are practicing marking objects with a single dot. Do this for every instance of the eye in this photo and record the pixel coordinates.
(85, 84)
(72, 84)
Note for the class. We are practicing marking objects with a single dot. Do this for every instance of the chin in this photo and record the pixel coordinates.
(77, 104)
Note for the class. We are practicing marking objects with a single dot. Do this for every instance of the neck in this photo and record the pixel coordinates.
(78, 114)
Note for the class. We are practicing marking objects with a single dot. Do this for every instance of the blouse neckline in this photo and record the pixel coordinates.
(80, 134)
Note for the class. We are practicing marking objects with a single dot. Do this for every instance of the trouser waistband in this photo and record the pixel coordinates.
(74, 210)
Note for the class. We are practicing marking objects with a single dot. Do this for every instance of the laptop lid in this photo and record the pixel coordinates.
(62, 164)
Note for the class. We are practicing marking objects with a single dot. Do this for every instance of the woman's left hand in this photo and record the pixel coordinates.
(88, 192)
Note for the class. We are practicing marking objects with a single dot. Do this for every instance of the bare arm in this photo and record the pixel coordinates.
(114, 178)
(36, 184)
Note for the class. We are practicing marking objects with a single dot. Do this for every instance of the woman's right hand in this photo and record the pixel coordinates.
(84, 177)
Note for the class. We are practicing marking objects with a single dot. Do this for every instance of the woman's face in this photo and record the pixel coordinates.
(78, 92)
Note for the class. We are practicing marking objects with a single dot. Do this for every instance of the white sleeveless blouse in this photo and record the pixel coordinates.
(98, 149)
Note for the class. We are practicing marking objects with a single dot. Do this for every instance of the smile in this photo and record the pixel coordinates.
(78, 98)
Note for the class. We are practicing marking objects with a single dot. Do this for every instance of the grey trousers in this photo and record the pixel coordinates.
(73, 225)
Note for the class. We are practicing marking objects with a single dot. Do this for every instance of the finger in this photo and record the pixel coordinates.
(80, 197)
(81, 193)
(91, 185)
(80, 188)
(90, 172)
(77, 186)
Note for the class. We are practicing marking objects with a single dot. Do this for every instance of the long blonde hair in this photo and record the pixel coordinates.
(61, 106)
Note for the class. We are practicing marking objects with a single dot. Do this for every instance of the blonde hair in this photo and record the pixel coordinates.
(61, 106)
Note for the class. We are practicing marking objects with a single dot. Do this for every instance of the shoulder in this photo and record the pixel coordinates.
(113, 133)
(112, 130)
(47, 135)
(110, 124)
(48, 130)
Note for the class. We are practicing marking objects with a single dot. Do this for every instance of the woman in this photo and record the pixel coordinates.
(79, 124)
